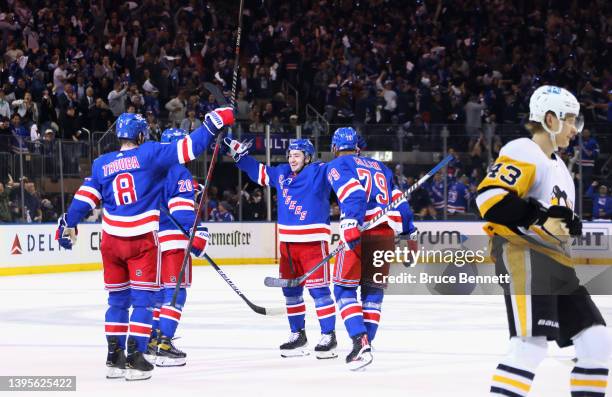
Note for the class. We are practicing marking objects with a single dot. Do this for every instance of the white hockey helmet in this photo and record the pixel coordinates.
(561, 102)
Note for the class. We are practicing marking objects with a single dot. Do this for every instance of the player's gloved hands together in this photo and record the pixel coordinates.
(350, 233)
(562, 221)
(200, 241)
(237, 149)
(219, 118)
(66, 236)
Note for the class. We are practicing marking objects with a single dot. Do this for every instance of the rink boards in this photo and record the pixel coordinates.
(31, 248)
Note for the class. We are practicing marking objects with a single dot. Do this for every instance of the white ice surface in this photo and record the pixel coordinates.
(426, 345)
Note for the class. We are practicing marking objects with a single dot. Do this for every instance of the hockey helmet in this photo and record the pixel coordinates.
(303, 145)
(130, 126)
(172, 135)
(561, 102)
(345, 138)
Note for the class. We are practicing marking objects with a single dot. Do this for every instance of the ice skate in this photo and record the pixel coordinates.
(361, 355)
(168, 355)
(326, 348)
(296, 346)
(115, 360)
(137, 367)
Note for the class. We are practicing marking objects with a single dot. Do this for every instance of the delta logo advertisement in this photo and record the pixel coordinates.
(16, 248)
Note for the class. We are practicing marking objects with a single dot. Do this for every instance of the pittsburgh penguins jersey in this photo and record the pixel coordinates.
(179, 200)
(128, 183)
(524, 169)
(364, 188)
(303, 198)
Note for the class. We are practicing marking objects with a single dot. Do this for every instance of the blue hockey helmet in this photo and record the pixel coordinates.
(130, 126)
(345, 138)
(302, 144)
(172, 135)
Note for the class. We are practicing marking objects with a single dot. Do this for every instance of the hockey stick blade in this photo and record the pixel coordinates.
(257, 309)
(216, 92)
(294, 282)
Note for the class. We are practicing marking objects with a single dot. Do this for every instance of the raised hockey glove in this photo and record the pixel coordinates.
(197, 191)
(237, 149)
(200, 241)
(350, 233)
(413, 245)
(219, 118)
(66, 236)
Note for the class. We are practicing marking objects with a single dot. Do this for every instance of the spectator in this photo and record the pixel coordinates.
(117, 98)
(473, 115)
(5, 134)
(255, 209)
(27, 109)
(190, 123)
(222, 213)
(5, 107)
(101, 116)
(590, 152)
(459, 196)
(5, 202)
(399, 179)
(155, 129)
(20, 135)
(47, 113)
(334, 212)
(176, 108)
(86, 104)
(436, 192)
(48, 211)
(602, 202)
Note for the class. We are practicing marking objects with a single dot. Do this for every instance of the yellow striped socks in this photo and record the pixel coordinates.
(511, 381)
(589, 382)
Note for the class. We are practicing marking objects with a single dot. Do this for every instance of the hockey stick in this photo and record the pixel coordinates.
(294, 282)
(237, 56)
(276, 311)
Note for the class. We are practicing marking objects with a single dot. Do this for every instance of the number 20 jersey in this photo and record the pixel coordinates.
(364, 188)
(130, 183)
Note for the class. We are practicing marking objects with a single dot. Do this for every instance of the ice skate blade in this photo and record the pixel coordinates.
(134, 374)
(359, 365)
(326, 355)
(170, 362)
(115, 373)
(152, 358)
(300, 352)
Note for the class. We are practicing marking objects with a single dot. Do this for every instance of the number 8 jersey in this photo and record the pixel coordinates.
(364, 188)
(130, 183)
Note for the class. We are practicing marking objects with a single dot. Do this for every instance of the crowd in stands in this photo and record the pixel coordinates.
(69, 68)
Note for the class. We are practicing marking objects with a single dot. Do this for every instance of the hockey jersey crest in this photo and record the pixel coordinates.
(303, 199)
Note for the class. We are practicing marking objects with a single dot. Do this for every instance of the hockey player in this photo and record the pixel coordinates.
(364, 188)
(528, 198)
(304, 232)
(178, 197)
(127, 181)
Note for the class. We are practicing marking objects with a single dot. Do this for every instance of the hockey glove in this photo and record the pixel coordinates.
(219, 118)
(237, 149)
(66, 236)
(200, 241)
(562, 221)
(198, 189)
(350, 233)
(413, 245)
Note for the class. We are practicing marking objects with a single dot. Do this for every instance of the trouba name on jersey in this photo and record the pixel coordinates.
(121, 164)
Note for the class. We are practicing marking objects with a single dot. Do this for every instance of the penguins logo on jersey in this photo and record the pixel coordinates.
(559, 197)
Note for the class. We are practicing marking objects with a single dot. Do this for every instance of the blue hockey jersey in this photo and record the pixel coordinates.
(303, 199)
(364, 187)
(179, 199)
(458, 197)
(436, 192)
(128, 182)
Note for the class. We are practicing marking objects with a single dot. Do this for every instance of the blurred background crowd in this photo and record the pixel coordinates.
(414, 77)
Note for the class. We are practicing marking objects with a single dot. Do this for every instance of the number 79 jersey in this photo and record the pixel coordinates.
(364, 188)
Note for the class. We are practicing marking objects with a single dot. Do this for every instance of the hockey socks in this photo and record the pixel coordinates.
(372, 302)
(159, 300)
(117, 317)
(350, 309)
(511, 381)
(326, 309)
(169, 317)
(590, 382)
(296, 309)
(141, 318)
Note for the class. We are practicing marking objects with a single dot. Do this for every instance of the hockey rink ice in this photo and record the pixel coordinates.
(426, 345)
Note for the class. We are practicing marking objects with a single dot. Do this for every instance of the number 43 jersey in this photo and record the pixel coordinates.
(364, 188)
(131, 182)
(522, 168)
